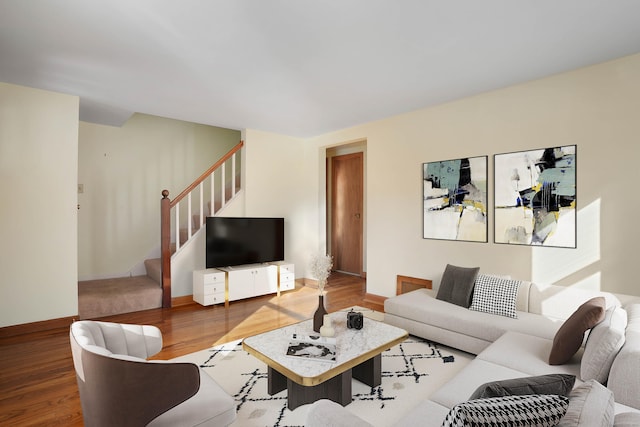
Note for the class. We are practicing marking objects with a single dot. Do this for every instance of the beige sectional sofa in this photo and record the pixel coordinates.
(509, 348)
(541, 310)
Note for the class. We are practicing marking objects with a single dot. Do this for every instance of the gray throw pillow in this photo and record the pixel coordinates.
(590, 405)
(456, 286)
(558, 384)
(603, 344)
(627, 419)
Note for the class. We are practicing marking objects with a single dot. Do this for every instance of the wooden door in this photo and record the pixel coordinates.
(346, 212)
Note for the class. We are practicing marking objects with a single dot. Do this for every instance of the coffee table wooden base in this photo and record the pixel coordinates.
(337, 388)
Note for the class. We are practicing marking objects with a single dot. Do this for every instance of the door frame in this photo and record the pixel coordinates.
(344, 149)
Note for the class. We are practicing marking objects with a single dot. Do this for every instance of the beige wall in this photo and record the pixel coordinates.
(595, 107)
(123, 172)
(280, 182)
(38, 218)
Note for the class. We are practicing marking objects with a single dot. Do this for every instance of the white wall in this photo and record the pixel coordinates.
(595, 108)
(38, 218)
(123, 171)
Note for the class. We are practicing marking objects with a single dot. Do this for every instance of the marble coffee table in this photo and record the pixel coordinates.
(358, 356)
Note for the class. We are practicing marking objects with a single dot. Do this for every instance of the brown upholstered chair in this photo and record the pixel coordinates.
(119, 387)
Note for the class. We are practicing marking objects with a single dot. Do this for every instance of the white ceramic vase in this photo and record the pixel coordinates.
(326, 330)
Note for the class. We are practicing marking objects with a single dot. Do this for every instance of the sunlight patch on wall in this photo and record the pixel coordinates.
(549, 265)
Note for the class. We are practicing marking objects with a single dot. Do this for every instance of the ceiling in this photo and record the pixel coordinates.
(298, 67)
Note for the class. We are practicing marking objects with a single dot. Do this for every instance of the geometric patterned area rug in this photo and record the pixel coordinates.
(411, 372)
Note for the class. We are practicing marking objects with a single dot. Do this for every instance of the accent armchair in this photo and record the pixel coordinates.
(119, 387)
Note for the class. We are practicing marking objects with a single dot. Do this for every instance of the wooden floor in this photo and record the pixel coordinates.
(37, 380)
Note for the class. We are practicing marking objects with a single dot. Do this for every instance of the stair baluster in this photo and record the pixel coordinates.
(228, 190)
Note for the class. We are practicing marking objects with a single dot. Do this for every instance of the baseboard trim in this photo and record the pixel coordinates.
(376, 300)
(40, 326)
(312, 283)
(183, 300)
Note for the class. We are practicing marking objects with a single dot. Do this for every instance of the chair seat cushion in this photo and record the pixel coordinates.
(211, 406)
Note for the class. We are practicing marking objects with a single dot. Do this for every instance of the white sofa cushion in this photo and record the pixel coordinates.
(590, 405)
(527, 354)
(446, 337)
(624, 377)
(326, 413)
(427, 414)
(472, 376)
(603, 344)
(421, 306)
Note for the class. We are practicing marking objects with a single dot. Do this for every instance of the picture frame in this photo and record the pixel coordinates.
(455, 199)
(535, 197)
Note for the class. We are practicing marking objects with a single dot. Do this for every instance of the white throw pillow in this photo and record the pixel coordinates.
(603, 344)
(495, 295)
(590, 405)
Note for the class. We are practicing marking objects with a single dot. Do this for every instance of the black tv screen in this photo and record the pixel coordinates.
(236, 241)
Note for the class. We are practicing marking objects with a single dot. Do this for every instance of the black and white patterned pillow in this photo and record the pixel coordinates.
(526, 410)
(495, 295)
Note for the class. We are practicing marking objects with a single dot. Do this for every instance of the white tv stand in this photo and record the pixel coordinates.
(218, 285)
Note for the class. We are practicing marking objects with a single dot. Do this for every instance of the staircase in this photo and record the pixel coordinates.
(105, 297)
(222, 180)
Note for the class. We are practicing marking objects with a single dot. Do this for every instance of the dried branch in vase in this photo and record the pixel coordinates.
(320, 269)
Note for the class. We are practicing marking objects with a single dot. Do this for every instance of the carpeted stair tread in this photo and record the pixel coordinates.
(154, 269)
(106, 297)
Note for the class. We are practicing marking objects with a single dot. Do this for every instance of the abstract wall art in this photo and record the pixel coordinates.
(535, 197)
(455, 199)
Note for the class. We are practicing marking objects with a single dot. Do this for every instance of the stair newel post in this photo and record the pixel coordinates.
(165, 247)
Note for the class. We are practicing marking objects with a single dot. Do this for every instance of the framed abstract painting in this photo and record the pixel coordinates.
(535, 197)
(455, 199)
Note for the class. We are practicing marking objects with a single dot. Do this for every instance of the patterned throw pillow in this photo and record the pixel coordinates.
(495, 295)
(527, 410)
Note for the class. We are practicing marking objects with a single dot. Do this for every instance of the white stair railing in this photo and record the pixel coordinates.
(177, 219)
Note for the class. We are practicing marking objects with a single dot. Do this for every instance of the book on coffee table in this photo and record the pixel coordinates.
(312, 347)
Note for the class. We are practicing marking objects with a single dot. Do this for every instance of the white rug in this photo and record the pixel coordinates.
(411, 371)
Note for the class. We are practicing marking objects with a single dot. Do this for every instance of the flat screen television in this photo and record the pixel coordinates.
(236, 241)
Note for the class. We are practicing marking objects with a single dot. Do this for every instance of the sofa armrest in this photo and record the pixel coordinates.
(326, 413)
(624, 377)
